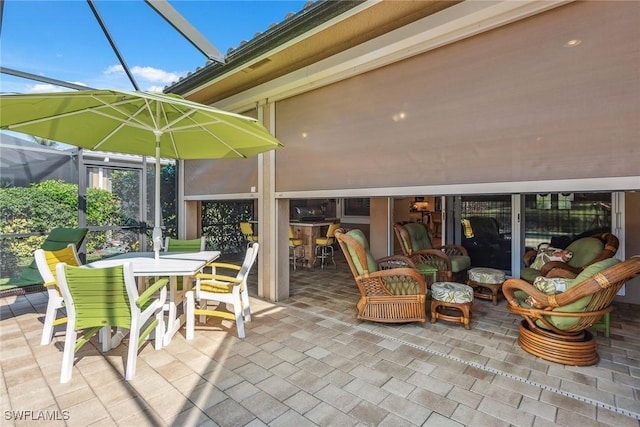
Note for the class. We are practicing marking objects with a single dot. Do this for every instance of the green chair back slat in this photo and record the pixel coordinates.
(181, 245)
(99, 297)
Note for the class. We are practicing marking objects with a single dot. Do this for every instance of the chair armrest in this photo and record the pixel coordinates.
(433, 257)
(453, 249)
(52, 283)
(395, 261)
(559, 265)
(218, 277)
(561, 272)
(224, 265)
(160, 285)
(510, 286)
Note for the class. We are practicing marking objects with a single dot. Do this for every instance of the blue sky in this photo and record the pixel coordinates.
(62, 39)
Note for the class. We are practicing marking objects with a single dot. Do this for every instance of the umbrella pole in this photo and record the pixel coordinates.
(157, 231)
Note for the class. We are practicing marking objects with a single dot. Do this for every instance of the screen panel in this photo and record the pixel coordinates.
(514, 104)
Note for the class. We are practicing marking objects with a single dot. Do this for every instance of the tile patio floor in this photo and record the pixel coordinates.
(306, 361)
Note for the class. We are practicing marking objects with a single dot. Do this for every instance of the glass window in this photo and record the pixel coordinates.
(559, 218)
(486, 230)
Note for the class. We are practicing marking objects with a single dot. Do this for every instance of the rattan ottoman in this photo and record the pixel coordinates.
(486, 283)
(446, 296)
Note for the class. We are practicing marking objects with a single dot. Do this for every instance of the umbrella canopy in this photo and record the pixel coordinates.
(144, 123)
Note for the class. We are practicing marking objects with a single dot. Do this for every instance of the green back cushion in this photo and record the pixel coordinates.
(57, 239)
(359, 236)
(99, 296)
(529, 274)
(419, 236)
(580, 304)
(584, 251)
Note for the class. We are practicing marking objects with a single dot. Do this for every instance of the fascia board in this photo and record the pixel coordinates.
(448, 26)
(344, 16)
(622, 183)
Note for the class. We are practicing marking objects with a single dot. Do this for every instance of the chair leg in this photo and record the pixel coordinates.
(190, 314)
(106, 339)
(49, 318)
(116, 340)
(68, 355)
(132, 353)
(246, 308)
(237, 311)
(160, 329)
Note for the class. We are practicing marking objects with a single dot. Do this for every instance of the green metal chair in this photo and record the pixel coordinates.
(223, 289)
(101, 298)
(46, 262)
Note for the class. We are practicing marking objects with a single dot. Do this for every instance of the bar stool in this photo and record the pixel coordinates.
(324, 246)
(451, 295)
(296, 249)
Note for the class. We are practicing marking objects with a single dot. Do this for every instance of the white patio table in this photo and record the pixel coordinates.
(170, 264)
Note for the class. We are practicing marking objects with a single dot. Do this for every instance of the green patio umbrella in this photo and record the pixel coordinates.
(143, 123)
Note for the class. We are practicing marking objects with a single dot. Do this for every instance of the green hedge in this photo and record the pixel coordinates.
(44, 206)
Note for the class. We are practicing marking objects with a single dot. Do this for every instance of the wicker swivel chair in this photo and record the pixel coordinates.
(586, 251)
(555, 325)
(452, 261)
(391, 289)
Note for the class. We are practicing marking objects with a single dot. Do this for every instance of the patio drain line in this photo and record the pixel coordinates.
(476, 365)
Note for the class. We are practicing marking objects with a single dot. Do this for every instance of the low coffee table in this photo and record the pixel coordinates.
(486, 283)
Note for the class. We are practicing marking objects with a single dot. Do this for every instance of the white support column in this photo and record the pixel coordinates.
(273, 279)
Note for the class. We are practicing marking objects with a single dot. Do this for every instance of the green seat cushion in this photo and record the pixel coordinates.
(580, 304)
(459, 263)
(584, 251)
(426, 269)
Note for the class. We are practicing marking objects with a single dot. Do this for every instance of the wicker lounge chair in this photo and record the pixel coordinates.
(452, 261)
(391, 289)
(555, 324)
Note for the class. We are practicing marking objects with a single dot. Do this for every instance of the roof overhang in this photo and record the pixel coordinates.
(366, 36)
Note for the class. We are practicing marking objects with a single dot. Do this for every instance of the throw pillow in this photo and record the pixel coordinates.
(551, 285)
(548, 253)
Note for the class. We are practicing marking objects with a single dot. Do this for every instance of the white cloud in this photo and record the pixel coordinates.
(155, 88)
(152, 79)
(44, 87)
(154, 75)
(114, 69)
